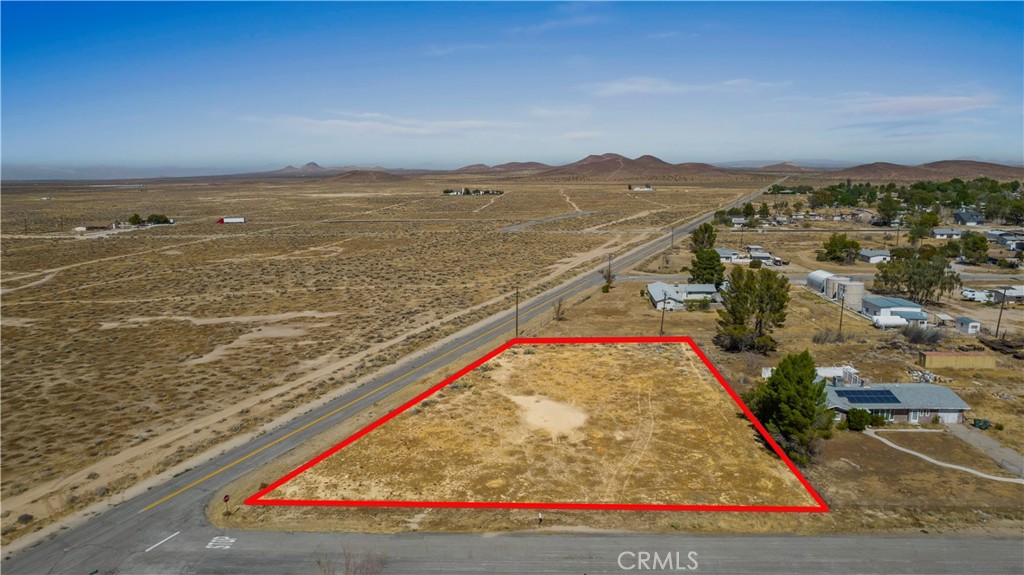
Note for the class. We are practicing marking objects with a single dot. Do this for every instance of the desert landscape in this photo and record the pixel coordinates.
(129, 351)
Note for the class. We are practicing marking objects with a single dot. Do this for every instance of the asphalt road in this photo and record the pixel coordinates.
(165, 530)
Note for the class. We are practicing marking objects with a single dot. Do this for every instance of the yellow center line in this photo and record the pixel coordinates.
(332, 412)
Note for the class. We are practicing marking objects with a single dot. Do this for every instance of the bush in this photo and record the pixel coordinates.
(828, 335)
(922, 335)
(606, 288)
(755, 264)
(702, 304)
(858, 419)
(998, 427)
(877, 420)
(936, 420)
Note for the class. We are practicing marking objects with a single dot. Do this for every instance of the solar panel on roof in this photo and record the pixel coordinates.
(867, 395)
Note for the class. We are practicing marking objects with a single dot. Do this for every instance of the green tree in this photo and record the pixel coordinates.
(135, 220)
(858, 419)
(793, 407)
(921, 226)
(921, 279)
(157, 219)
(763, 211)
(798, 206)
(974, 247)
(707, 268)
(840, 248)
(748, 210)
(753, 306)
(888, 208)
(703, 238)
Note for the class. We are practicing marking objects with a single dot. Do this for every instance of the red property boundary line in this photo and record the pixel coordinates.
(821, 507)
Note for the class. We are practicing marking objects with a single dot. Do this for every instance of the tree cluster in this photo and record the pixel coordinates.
(754, 304)
(792, 407)
(839, 248)
(922, 275)
(152, 219)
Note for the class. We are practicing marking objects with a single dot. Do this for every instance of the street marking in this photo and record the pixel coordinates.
(220, 542)
(162, 541)
(639, 255)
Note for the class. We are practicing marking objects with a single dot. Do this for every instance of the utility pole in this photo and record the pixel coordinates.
(664, 300)
(673, 244)
(517, 311)
(608, 276)
(1002, 304)
(842, 304)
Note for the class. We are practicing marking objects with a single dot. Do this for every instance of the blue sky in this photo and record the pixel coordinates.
(449, 84)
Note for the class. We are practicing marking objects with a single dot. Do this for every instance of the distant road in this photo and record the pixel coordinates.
(165, 530)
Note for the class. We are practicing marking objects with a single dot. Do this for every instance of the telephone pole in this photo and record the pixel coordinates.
(842, 304)
(517, 311)
(1002, 304)
(664, 300)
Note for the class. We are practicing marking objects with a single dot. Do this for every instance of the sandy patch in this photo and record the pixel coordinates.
(246, 339)
(539, 412)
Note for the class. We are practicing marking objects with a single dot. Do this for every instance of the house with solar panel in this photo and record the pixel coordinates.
(898, 402)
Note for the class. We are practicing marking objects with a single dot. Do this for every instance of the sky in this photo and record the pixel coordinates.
(442, 85)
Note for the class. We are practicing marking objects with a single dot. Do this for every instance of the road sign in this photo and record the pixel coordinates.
(227, 498)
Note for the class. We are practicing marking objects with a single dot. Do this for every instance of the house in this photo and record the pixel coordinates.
(1009, 294)
(993, 235)
(893, 312)
(874, 256)
(968, 325)
(1012, 241)
(727, 255)
(739, 222)
(968, 218)
(904, 402)
(835, 375)
(673, 297)
(946, 233)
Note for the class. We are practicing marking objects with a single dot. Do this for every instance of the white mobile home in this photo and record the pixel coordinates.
(968, 325)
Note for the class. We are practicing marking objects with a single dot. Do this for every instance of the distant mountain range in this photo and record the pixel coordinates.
(609, 165)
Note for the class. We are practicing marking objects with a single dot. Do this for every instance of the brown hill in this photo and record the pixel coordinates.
(608, 165)
(886, 172)
(696, 168)
(969, 170)
(366, 177)
(785, 168)
(522, 167)
(476, 169)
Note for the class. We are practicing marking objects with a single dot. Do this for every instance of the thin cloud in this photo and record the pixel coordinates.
(662, 35)
(582, 135)
(374, 123)
(447, 49)
(573, 15)
(561, 112)
(906, 106)
(651, 85)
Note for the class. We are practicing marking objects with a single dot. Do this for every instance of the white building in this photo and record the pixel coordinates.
(727, 255)
(946, 233)
(875, 256)
(673, 297)
(968, 325)
(893, 312)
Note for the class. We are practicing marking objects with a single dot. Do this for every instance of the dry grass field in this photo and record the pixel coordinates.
(593, 423)
(126, 353)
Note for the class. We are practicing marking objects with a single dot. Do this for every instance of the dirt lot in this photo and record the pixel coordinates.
(126, 353)
(610, 424)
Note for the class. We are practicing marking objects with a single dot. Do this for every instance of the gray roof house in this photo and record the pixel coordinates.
(673, 296)
(907, 402)
(874, 256)
(726, 255)
(946, 233)
(968, 218)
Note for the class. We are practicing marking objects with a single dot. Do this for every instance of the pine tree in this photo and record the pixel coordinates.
(754, 305)
(703, 238)
(707, 268)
